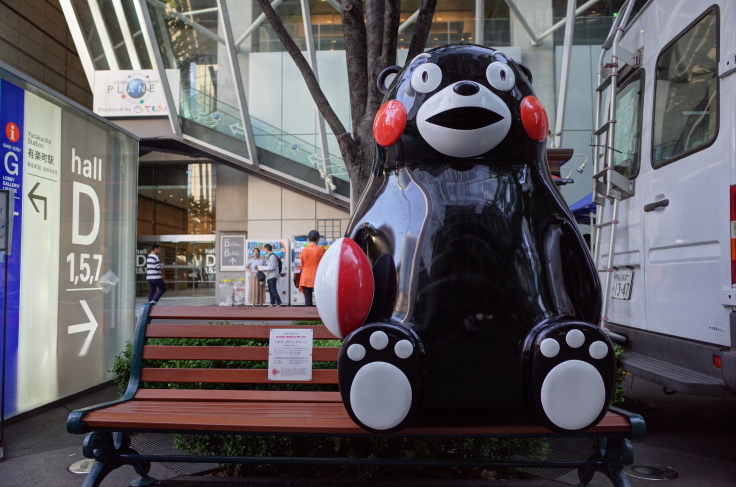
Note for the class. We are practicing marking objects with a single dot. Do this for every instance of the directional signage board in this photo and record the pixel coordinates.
(71, 273)
(40, 243)
(232, 253)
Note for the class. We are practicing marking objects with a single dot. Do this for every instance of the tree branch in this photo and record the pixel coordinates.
(390, 33)
(421, 29)
(347, 144)
(353, 28)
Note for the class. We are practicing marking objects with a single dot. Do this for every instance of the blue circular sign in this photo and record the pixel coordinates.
(136, 88)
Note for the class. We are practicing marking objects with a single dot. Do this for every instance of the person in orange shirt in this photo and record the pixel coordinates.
(311, 255)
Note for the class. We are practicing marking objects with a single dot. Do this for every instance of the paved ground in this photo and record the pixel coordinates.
(696, 436)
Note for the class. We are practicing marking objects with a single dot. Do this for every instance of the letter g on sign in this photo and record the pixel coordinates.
(11, 167)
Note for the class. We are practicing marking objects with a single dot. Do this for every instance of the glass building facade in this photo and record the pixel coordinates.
(240, 99)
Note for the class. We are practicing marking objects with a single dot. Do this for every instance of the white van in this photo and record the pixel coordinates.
(675, 243)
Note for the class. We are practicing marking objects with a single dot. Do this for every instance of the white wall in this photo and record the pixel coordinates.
(275, 212)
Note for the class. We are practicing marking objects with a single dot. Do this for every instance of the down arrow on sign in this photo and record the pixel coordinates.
(91, 327)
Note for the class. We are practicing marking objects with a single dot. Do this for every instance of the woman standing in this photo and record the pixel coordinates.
(311, 255)
(255, 287)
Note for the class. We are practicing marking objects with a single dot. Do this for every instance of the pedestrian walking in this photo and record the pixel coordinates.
(153, 275)
(272, 274)
(311, 255)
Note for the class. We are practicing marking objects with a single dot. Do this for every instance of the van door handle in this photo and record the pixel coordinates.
(656, 204)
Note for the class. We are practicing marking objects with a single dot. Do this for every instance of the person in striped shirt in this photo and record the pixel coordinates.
(153, 275)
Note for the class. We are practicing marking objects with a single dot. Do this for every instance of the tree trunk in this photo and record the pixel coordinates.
(371, 36)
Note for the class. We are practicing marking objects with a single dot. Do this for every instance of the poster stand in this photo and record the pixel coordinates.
(6, 233)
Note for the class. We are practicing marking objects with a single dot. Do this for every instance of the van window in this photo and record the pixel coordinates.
(628, 127)
(686, 93)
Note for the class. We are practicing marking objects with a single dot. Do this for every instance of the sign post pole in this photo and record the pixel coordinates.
(6, 233)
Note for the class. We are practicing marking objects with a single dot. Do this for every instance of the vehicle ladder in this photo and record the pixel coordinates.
(609, 186)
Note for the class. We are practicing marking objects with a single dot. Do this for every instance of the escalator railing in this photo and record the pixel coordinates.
(207, 111)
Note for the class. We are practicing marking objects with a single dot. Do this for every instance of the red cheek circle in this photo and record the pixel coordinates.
(534, 118)
(389, 123)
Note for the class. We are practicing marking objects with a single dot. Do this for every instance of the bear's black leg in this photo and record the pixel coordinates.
(380, 371)
(572, 375)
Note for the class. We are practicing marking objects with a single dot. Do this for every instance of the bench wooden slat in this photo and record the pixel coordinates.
(253, 332)
(166, 352)
(297, 418)
(246, 313)
(230, 376)
(209, 395)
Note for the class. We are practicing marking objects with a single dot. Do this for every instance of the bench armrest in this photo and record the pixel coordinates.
(74, 423)
(638, 426)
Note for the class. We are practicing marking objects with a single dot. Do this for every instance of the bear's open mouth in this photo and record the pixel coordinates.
(465, 118)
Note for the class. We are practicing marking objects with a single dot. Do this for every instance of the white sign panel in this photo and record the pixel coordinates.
(39, 269)
(290, 354)
(232, 253)
(133, 93)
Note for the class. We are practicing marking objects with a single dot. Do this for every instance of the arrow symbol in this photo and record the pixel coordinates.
(232, 261)
(91, 327)
(236, 129)
(32, 196)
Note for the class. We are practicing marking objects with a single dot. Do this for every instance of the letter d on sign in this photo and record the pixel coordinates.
(80, 188)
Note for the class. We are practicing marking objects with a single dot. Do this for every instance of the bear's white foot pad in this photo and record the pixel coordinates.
(380, 394)
(573, 393)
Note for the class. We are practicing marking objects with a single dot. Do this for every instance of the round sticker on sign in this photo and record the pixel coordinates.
(12, 132)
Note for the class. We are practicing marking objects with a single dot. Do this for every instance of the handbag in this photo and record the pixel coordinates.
(261, 276)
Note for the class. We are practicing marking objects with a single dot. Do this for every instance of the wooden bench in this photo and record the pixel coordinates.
(281, 412)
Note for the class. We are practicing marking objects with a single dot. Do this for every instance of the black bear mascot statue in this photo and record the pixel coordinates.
(463, 287)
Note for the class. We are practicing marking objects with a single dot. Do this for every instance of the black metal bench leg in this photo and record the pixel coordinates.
(98, 473)
(613, 454)
(105, 448)
(619, 454)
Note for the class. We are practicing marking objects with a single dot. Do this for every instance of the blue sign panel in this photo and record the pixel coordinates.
(11, 139)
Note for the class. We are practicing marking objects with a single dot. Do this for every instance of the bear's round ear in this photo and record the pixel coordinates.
(387, 77)
(527, 72)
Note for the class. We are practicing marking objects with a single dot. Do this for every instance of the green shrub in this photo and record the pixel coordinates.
(618, 391)
(363, 447)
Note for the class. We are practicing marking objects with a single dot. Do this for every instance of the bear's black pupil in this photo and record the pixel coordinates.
(503, 75)
(425, 77)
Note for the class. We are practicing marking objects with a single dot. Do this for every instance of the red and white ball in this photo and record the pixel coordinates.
(344, 287)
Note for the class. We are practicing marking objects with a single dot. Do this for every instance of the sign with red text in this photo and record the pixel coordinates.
(290, 354)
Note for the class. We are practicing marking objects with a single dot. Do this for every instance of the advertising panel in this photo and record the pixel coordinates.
(280, 248)
(71, 270)
(133, 93)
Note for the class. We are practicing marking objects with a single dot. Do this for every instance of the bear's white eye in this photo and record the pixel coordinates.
(500, 76)
(426, 78)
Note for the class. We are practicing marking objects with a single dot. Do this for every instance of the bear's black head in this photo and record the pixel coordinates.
(462, 103)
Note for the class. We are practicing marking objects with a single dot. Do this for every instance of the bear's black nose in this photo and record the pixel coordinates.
(466, 88)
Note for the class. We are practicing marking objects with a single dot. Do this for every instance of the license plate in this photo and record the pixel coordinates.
(622, 281)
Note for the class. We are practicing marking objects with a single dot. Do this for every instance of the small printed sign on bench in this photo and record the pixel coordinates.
(290, 355)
